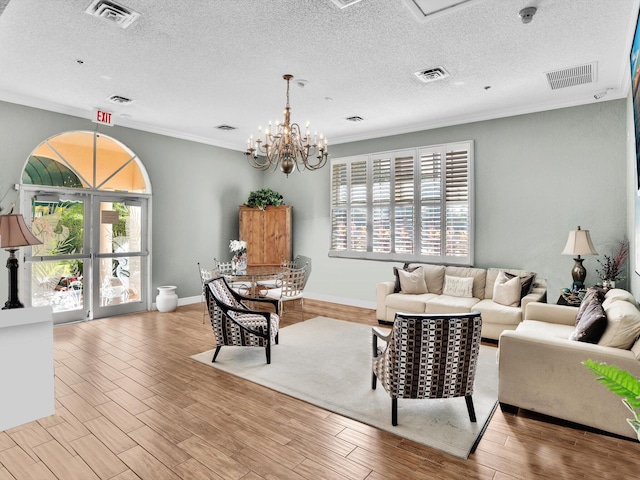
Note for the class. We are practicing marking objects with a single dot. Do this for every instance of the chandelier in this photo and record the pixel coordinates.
(287, 146)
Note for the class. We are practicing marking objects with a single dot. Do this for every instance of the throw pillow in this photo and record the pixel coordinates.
(593, 294)
(623, 325)
(507, 291)
(458, 286)
(592, 324)
(396, 286)
(412, 282)
(526, 282)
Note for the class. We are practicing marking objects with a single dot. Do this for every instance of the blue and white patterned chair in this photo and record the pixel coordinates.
(428, 356)
(234, 323)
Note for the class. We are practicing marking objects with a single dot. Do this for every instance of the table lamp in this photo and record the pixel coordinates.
(14, 234)
(579, 243)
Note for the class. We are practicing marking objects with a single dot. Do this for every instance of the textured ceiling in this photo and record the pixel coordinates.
(190, 66)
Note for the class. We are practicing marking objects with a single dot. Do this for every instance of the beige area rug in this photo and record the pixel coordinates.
(327, 363)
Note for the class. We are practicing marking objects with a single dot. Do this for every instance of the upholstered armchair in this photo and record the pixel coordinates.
(234, 323)
(428, 356)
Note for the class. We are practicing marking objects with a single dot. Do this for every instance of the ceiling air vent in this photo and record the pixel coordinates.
(226, 128)
(570, 77)
(432, 74)
(111, 11)
(120, 100)
(355, 118)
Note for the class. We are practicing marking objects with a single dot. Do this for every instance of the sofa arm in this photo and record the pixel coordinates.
(539, 295)
(547, 312)
(382, 290)
(546, 375)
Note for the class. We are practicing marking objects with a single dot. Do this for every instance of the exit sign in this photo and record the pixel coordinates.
(100, 116)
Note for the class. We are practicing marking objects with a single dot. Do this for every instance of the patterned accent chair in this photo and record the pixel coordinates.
(428, 356)
(234, 323)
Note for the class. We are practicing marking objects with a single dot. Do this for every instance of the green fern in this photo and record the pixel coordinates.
(621, 383)
(618, 381)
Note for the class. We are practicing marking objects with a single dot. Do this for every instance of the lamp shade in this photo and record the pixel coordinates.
(15, 233)
(579, 243)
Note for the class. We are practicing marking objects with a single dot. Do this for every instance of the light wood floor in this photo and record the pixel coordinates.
(130, 404)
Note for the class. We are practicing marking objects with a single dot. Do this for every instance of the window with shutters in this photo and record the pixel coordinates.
(408, 205)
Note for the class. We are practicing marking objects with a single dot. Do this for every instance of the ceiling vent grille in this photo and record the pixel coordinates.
(226, 128)
(355, 118)
(120, 100)
(112, 12)
(570, 77)
(432, 74)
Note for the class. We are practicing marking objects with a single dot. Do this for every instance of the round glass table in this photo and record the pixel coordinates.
(256, 279)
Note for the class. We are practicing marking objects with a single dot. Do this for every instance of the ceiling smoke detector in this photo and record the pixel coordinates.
(355, 118)
(572, 76)
(225, 128)
(119, 99)
(432, 74)
(112, 12)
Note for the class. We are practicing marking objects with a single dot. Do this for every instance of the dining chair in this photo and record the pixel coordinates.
(236, 324)
(291, 288)
(206, 274)
(428, 356)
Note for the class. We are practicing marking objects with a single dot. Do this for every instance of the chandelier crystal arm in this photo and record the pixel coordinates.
(286, 146)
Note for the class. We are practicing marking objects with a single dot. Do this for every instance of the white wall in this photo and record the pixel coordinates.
(537, 177)
(633, 203)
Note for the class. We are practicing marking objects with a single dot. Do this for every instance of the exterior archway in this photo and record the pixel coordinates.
(88, 196)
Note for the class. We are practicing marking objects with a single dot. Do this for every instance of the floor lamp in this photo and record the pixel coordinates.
(14, 234)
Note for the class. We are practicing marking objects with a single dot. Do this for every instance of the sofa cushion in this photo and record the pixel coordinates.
(412, 282)
(479, 278)
(433, 275)
(396, 286)
(408, 303)
(506, 290)
(526, 282)
(449, 304)
(458, 286)
(623, 325)
(619, 294)
(493, 312)
(593, 320)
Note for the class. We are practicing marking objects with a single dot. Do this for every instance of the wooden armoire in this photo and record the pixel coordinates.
(267, 233)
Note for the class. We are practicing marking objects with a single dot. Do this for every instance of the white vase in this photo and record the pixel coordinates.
(167, 299)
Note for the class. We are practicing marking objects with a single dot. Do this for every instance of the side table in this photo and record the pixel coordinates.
(572, 299)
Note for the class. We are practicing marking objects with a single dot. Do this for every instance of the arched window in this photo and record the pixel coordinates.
(86, 160)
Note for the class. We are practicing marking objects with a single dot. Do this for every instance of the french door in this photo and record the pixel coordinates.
(93, 261)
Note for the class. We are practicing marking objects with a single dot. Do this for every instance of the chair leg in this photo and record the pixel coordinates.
(470, 409)
(215, 354)
(268, 349)
(394, 411)
(277, 338)
(374, 381)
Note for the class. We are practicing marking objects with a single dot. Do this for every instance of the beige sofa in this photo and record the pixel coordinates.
(540, 369)
(495, 317)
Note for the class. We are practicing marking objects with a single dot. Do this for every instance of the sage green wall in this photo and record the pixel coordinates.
(196, 189)
(537, 176)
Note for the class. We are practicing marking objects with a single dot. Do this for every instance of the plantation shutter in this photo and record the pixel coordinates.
(339, 199)
(409, 205)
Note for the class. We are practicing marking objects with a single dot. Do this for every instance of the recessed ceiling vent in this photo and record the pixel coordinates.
(226, 128)
(120, 100)
(432, 74)
(570, 77)
(355, 118)
(111, 11)
(344, 3)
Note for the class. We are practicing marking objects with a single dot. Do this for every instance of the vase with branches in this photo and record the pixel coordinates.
(612, 267)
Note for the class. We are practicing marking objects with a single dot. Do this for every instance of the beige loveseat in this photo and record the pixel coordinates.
(495, 317)
(541, 370)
